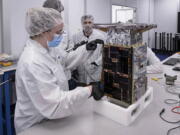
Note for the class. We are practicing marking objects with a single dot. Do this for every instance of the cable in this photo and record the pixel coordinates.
(171, 101)
(172, 122)
(11, 78)
(168, 132)
(174, 109)
(173, 90)
(5, 82)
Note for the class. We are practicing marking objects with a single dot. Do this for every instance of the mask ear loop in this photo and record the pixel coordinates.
(45, 37)
(47, 32)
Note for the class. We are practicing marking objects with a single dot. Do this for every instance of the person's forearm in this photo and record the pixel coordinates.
(77, 57)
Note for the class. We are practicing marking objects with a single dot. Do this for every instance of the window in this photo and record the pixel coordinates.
(123, 14)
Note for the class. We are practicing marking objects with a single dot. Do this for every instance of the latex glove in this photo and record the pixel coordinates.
(97, 90)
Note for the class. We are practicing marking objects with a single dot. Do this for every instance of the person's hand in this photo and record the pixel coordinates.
(94, 63)
(97, 90)
(91, 46)
(99, 41)
(79, 44)
(80, 84)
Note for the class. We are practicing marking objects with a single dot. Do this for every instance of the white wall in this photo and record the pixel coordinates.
(145, 14)
(100, 9)
(166, 15)
(129, 3)
(6, 38)
(14, 24)
(75, 10)
(14, 33)
(151, 34)
(162, 12)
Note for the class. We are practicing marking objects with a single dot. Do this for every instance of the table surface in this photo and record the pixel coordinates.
(86, 122)
(8, 68)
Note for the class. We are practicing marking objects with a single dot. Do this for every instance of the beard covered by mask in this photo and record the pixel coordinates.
(87, 30)
(87, 27)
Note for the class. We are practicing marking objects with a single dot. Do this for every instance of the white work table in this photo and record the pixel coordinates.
(86, 122)
(168, 69)
(8, 68)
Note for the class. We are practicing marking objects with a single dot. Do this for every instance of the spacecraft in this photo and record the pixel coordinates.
(124, 62)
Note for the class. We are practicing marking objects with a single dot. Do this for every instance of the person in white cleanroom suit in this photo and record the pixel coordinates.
(90, 71)
(153, 63)
(41, 83)
(70, 60)
(57, 5)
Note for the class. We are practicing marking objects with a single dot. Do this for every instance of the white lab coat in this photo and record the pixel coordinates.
(42, 88)
(69, 60)
(153, 63)
(88, 72)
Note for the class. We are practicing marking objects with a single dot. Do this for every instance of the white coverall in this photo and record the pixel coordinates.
(42, 88)
(69, 60)
(153, 63)
(87, 71)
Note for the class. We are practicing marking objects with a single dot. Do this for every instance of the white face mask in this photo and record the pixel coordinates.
(87, 29)
(87, 26)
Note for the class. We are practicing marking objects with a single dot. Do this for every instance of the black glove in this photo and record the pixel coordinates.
(91, 46)
(81, 84)
(12, 77)
(97, 90)
(94, 63)
(75, 74)
(79, 44)
(99, 41)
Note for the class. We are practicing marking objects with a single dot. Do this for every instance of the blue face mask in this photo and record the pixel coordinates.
(56, 41)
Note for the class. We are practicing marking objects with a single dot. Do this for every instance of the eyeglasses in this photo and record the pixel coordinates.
(88, 22)
(60, 32)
